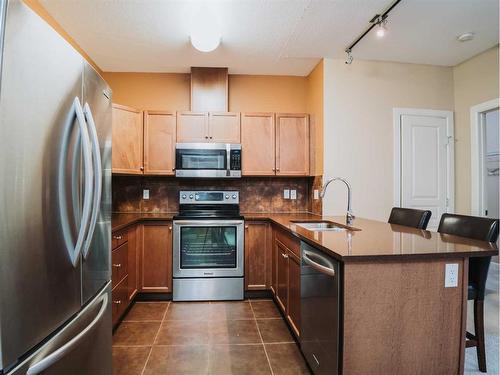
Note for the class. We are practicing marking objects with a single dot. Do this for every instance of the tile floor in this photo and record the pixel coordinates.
(248, 337)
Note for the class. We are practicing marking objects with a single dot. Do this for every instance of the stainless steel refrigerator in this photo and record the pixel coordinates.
(55, 203)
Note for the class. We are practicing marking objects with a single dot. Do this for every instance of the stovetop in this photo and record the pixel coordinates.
(209, 205)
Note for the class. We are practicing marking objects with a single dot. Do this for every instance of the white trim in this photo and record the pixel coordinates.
(450, 159)
(476, 149)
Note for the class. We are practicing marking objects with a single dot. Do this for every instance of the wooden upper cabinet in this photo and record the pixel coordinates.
(192, 127)
(156, 259)
(224, 127)
(258, 144)
(159, 142)
(292, 144)
(257, 255)
(127, 132)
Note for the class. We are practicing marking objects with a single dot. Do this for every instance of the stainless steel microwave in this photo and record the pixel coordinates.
(208, 160)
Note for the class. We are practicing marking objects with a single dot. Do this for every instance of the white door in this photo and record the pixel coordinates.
(424, 164)
(491, 164)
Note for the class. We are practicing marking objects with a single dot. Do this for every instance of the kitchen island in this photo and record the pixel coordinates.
(396, 315)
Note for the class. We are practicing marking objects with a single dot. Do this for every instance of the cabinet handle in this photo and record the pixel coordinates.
(274, 169)
(278, 169)
(117, 302)
(284, 255)
(118, 265)
(246, 226)
(173, 169)
(117, 237)
(141, 168)
(211, 137)
(206, 137)
(170, 228)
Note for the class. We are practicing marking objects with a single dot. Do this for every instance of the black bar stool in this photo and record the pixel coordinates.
(410, 217)
(484, 229)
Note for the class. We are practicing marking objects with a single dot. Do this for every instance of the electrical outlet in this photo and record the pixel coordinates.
(316, 194)
(286, 194)
(451, 275)
(293, 194)
(145, 194)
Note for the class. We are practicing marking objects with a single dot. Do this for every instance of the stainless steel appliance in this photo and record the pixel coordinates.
(319, 284)
(55, 194)
(208, 160)
(208, 247)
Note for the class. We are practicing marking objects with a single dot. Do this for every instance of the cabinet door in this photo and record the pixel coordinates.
(258, 144)
(127, 140)
(292, 144)
(282, 276)
(192, 127)
(159, 142)
(257, 255)
(132, 262)
(224, 127)
(293, 312)
(156, 260)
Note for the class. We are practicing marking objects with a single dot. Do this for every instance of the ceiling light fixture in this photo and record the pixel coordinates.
(465, 37)
(205, 33)
(381, 28)
(379, 21)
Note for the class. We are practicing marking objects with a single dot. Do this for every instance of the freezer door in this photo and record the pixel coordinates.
(83, 346)
(97, 251)
(41, 83)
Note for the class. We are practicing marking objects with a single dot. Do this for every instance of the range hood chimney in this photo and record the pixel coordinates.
(209, 89)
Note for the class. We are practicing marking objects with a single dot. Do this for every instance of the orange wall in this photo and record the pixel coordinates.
(314, 104)
(153, 91)
(42, 12)
(171, 91)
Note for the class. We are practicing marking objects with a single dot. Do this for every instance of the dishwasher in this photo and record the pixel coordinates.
(319, 277)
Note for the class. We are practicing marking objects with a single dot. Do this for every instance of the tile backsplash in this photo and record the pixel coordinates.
(257, 194)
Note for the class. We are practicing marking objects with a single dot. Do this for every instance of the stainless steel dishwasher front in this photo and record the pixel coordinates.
(320, 310)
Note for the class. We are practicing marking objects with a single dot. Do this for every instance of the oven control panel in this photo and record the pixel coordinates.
(209, 197)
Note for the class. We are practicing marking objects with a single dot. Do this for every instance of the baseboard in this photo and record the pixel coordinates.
(141, 297)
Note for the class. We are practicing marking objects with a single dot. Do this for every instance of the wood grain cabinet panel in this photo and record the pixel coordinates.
(127, 133)
(119, 264)
(224, 127)
(159, 142)
(293, 311)
(119, 299)
(257, 255)
(192, 127)
(292, 144)
(156, 259)
(258, 144)
(133, 264)
(281, 276)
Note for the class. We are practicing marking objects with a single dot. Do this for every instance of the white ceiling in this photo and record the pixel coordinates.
(273, 36)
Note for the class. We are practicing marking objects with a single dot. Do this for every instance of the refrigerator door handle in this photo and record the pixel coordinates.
(75, 250)
(97, 178)
(70, 345)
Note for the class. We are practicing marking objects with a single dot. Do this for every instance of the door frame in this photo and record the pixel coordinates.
(450, 153)
(476, 154)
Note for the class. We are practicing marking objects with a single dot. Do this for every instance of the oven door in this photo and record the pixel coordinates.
(208, 248)
(201, 160)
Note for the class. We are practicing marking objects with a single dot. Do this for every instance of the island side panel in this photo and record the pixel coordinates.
(400, 319)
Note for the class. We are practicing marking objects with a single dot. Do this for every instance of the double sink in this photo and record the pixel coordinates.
(323, 226)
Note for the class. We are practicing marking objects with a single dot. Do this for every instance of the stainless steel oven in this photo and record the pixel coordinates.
(208, 160)
(208, 247)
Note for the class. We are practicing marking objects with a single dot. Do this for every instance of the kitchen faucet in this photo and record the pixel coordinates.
(349, 216)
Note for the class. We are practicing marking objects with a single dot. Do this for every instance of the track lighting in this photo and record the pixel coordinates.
(381, 27)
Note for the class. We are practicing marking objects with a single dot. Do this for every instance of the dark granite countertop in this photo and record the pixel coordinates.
(367, 239)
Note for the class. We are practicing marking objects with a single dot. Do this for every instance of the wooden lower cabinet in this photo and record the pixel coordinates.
(156, 258)
(120, 302)
(293, 312)
(286, 263)
(257, 255)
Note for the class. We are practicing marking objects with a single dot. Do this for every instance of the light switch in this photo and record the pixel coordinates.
(293, 194)
(286, 194)
(451, 275)
(316, 194)
(145, 194)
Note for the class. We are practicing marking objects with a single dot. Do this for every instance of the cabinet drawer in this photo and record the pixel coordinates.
(119, 302)
(291, 242)
(118, 239)
(119, 264)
